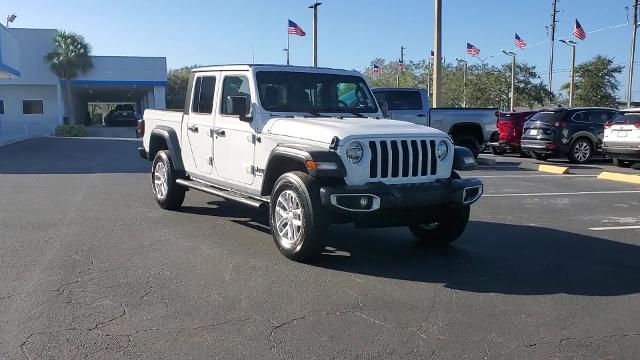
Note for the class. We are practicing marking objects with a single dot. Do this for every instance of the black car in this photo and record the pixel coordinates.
(122, 115)
(576, 133)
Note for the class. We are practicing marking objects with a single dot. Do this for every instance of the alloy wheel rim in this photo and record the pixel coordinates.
(581, 151)
(160, 180)
(288, 216)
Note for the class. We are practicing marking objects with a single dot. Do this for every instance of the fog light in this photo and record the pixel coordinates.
(364, 202)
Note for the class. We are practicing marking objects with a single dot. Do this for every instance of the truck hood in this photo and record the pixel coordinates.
(323, 129)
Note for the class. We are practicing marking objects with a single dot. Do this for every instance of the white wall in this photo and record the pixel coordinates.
(32, 45)
(13, 122)
(9, 54)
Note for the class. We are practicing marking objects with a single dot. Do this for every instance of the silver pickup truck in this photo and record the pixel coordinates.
(472, 128)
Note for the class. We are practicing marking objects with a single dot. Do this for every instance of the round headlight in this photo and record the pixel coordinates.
(442, 150)
(355, 152)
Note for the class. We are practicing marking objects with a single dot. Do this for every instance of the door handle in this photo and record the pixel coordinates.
(219, 132)
(193, 128)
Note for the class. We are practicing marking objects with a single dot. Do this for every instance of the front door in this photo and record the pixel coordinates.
(234, 139)
(200, 123)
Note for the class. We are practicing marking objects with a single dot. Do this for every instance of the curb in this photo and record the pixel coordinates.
(626, 178)
(553, 169)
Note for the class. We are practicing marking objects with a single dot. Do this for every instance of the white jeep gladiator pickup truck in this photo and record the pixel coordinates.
(311, 145)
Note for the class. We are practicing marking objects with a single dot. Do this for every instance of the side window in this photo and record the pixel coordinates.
(1, 107)
(611, 115)
(203, 92)
(597, 117)
(401, 100)
(234, 85)
(578, 117)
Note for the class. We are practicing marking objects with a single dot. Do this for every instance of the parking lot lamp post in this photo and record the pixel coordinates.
(11, 18)
(513, 77)
(572, 44)
(464, 81)
(436, 99)
(315, 31)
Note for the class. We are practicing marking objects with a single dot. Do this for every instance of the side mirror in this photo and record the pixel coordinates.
(238, 105)
(384, 108)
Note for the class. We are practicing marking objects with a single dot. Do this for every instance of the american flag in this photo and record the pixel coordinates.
(519, 42)
(377, 69)
(294, 29)
(578, 31)
(472, 50)
(401, 65)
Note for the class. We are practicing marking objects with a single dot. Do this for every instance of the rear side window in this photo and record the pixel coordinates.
(400, 100)
(547, 117)
(203, 92)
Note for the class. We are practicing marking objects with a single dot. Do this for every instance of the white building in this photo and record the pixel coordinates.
(31, 96)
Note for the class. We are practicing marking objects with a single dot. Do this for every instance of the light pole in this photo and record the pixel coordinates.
(513, 77)
(572, 44)
(315, 31)
(634, 26)
(11, 18)
(464, 81)
(286, 52)
(436, 99)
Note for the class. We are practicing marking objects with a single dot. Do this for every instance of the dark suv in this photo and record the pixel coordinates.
(576, 133)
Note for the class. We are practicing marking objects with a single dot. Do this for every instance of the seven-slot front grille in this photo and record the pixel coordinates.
(402, 158)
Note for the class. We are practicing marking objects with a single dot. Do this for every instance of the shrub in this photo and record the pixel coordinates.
(71, 130)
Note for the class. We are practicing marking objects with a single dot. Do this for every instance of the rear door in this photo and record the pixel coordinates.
(405, 105)
(199, 123)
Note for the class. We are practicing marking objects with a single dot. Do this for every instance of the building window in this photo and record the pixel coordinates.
(1, 107)
(32, 107)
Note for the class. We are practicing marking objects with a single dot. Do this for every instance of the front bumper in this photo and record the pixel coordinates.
(455, 192)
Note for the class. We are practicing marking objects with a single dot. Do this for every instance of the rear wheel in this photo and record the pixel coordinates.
(298, 221)
(168, 194)
(469, 142)
(623, 163)
(539, 156)
(449, 228)
(524, 154)
(581, 151)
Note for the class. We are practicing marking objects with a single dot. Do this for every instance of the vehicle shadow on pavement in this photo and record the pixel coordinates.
(50, 155)
(493, 258)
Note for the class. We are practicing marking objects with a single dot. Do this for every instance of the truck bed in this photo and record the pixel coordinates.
(155, 118)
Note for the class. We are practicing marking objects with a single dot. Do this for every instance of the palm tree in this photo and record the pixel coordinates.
(71, 57)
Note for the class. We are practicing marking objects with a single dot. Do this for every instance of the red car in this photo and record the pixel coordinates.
(510, 127)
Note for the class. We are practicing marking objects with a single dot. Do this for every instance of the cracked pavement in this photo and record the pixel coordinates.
(91, 268)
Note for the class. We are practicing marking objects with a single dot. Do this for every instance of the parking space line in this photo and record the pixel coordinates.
(566, 193)
(529, 176)
(604, 228)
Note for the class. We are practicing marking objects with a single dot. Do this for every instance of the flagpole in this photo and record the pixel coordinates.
(288, 45)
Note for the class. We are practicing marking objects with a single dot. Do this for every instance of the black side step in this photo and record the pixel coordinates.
(225, 194)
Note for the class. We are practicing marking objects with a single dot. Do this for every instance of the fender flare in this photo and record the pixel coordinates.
(586, 134)
(171, 139)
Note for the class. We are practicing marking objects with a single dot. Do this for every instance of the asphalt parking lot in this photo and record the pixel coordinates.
(549, 267)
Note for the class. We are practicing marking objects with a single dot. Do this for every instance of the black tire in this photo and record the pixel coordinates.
(538, 156)
(313, 218)
(623, 163)
(497, 151)
(469, 142)
(449, 228)
(524, 154)
(163, 172)
(580, 151)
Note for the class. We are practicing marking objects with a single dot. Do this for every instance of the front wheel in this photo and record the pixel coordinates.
(298, 221)
(168, 194)
(623, 163)
(448, 229)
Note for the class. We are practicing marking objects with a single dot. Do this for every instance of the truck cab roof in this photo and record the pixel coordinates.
(276, 67)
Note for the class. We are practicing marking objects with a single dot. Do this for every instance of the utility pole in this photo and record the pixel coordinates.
(634, 27)
(513, 78)
(436, 99)
(551, 43)
(400, 65)
(315, 31)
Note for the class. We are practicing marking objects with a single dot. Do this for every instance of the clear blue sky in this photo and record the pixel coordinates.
(352, 32)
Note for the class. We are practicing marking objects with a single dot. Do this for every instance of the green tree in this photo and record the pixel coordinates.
(71, 57)
(177, 82)
(595, 82)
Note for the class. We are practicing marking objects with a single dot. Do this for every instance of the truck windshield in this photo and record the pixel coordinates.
(286, 91)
